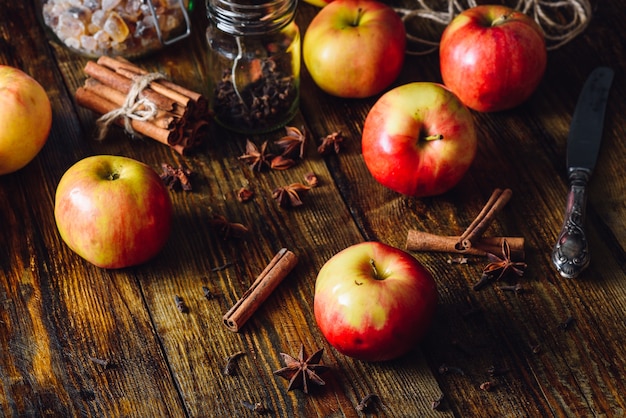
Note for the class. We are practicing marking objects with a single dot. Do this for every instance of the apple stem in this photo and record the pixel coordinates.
(374, 269)
(357, 19)
(434, 137)
(500, 20)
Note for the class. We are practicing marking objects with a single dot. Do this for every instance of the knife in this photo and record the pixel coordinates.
(570, 255)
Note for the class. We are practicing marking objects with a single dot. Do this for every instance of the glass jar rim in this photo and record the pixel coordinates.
(249, 17)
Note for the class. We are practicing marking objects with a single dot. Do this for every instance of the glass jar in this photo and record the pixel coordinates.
(254, 63)
(128, 28)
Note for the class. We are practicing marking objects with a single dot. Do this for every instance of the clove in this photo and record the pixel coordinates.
(256, 407)
(437, 402)
(102, 362)
(180, 304)
(366, 402)
(445, 369)
(565, 325)
(229, 368)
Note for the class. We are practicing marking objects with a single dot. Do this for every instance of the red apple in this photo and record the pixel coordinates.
(374, 302)
(492, 57)
(354, 48)
(418, 139)
(25, 118)
(113, 211)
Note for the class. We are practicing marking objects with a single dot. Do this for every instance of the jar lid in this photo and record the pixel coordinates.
(248, 17)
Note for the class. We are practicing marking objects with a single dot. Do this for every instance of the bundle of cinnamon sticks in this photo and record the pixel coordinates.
(179, 118)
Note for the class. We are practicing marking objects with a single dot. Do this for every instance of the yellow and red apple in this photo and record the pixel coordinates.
(25, 118)
(374, 302)
(113, 211)
(354, 48)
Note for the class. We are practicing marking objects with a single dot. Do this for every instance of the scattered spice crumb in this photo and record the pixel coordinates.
(180, 304)
(102, 362)
(495, 371)
(445, 369)
(366, 402)
(256, 407)
(222, 267)
(487, 386)
(437, 402)
(565, 325)
(245, 195)
(458, 260)
(331, 143)
(310, 178)
(229, 368)
(518, 289)
(207, 293)
(176, 177)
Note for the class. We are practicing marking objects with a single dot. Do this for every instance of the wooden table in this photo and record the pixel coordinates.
(58, 312)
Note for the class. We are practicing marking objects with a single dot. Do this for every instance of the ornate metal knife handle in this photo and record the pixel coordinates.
(570, 255)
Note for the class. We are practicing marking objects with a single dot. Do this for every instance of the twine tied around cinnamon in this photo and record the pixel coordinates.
(133, 107)
(542, 11)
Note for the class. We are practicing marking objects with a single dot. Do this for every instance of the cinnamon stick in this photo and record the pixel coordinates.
(101, 105)
(282, 263)
(424, 241)
(498, 199)
(124, 84)
(194, 100)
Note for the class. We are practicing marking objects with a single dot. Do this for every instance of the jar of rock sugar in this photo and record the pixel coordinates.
(128, 28)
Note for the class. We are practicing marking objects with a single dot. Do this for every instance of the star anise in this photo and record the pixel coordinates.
(176, 177)
(331, 142)
(289, 196)
(227, 229)
(499, 267)
(294, 143)
(258, 159)
(301, 372)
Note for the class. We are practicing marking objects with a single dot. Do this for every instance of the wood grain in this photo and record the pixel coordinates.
(58, 312)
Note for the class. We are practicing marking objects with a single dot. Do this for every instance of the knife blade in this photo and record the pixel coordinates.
(570, 254)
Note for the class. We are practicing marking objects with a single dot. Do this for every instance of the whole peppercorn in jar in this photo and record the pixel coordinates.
(128, 28)
(254, 63)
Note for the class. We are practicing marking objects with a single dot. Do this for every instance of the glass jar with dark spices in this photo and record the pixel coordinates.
(254, 63)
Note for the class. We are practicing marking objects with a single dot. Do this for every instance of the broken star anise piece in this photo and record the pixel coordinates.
(227, 229)
(289, 196)
(282, 162)
(244, 194)
(301, 372)
(330, 143)
(294, 143)
(257, 159)
(176, 177)
(499, 267)
(311, 179)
